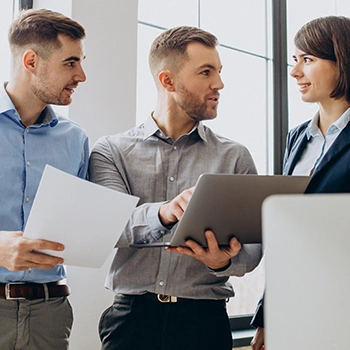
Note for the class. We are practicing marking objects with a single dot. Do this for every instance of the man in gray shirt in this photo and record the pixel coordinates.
(172, 298)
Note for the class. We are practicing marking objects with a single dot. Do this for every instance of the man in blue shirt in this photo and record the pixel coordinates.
(47, 53)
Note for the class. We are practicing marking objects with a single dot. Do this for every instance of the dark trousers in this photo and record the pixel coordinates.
(144, 323)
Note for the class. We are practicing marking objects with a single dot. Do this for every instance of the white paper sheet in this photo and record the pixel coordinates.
(87, 218)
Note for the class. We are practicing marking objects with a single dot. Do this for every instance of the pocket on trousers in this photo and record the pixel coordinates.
(101, 322)
(114, 319)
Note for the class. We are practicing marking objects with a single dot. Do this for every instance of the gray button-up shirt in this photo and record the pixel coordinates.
(145, 163)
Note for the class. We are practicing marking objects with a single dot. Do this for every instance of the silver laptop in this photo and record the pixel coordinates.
(229, 205)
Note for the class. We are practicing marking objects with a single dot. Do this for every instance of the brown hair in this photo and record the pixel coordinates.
(169, 48)
(39, 29)
(329, 38)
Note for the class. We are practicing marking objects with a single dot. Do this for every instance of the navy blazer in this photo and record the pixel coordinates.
(331, 176)
(333, 173)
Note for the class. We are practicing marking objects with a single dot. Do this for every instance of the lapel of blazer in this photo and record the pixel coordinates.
(295, 153)
(341, 142)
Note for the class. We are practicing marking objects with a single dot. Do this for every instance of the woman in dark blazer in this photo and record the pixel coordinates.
(319, 147)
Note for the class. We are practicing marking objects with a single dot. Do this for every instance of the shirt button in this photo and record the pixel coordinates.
(28, 162)
(175, 148)
(161, 283)
(172, 178)
(27, 130)
(27, 199)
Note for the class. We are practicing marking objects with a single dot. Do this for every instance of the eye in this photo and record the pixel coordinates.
(307, 59)
(70, 64)
(205, 72)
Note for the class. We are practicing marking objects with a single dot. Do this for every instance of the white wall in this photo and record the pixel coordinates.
(5, 21)
(104, 104)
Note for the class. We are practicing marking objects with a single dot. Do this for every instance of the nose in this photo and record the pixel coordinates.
(296, 72)
(218, 84)
(80, 75)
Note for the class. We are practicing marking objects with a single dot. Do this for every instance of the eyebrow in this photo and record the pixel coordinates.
(208, 66)
(73, 58)
(301, 55)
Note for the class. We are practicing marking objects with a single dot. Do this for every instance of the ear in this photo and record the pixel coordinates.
(166, 80)
(30, 60)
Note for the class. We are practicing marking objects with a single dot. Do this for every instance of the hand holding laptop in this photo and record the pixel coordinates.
(214, 256)
(227, 204)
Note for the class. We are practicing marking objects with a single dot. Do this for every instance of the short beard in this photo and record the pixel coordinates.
(42, 92)
(193, 106)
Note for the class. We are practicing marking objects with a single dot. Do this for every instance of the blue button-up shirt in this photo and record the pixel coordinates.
(24, 152)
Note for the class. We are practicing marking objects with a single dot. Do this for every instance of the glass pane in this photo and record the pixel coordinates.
(63, 6)
(243, 104)
(239, 24)
(248, 291)
(169, 13)
(297, 17)
(343, 7)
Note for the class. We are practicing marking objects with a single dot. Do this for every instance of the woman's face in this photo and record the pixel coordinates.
(316, 77)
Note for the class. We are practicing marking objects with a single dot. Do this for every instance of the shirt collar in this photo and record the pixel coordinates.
(201, 131)
(151, 128)
(338, 125)
(6, 105)
(5, 101)
(343, 121)
(49, 116)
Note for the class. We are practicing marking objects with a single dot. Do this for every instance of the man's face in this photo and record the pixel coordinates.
(198, 82)
(60, 74)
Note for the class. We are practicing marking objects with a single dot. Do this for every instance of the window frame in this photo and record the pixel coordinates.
(25, 4)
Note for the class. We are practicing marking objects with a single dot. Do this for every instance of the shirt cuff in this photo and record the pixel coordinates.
(222, 269)
(154, 222)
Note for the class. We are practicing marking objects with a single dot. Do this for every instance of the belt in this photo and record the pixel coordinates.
(163, 298)
(30, 291)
